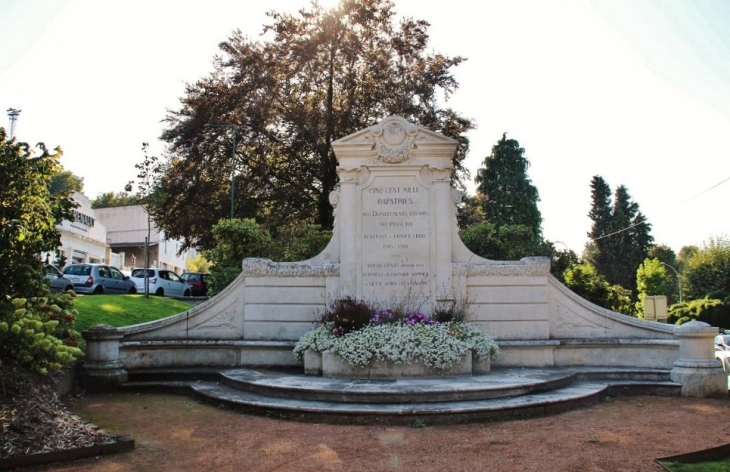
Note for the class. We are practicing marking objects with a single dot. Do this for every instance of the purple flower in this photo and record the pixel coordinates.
(414, 318)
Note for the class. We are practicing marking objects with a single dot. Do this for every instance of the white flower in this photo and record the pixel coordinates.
(440, 345)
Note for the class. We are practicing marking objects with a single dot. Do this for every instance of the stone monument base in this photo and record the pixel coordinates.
(330, 364)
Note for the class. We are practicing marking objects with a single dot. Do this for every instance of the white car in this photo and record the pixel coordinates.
(722, 342)
(162, 282)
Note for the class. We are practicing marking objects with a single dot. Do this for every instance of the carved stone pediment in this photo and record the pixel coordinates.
(394, 140)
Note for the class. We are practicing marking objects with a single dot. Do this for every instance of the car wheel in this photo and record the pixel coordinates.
(132, 291)
(160, 292)
(187, 293)
(98, 290)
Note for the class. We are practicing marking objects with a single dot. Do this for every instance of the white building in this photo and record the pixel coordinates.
(84, 239)
(126, 228)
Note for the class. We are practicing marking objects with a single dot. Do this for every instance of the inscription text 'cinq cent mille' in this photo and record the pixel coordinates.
(396, 236)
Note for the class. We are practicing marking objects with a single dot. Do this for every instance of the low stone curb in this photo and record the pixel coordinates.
(705, 455)
(121, 444)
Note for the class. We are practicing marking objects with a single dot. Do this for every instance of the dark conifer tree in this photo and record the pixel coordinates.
(509, 198)
(620, 235)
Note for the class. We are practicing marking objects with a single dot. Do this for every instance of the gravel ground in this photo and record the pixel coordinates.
(174, 433)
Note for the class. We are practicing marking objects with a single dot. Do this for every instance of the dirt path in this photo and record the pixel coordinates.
(174, 433)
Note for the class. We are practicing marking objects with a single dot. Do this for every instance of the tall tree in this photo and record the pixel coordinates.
(620, 235)
(317, 76)
(509, 198)
(147, 177)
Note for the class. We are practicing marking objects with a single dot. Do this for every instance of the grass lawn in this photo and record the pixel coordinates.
(123, 310)
(712, 466)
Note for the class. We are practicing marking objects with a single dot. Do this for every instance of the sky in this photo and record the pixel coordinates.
(636, 91)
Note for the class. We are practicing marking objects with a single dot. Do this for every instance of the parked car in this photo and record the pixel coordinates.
(162, 282)
(98, 278)
(722, 342)
(59, 283)
(197, 281)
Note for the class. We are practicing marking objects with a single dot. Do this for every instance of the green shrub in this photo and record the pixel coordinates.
(709, 310)
(37, 333)
(236, 239)
(301, 242)
(584, 280)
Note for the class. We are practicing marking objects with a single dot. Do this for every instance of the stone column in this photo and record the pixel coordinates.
(700, 374)
(347, 220)
(103, 369)
(444, 208)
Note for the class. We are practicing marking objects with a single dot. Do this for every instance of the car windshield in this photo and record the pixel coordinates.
(139, 273)
(193, 277)
(77, 270)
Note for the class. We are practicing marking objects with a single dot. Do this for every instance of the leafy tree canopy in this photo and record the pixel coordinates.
(585, 280)
(316, 76)
(508, 196)
(198, 264)
(707, 271)
(66, 182)
(505, 243)
(29, 214)
(651, 280)
(111, 199)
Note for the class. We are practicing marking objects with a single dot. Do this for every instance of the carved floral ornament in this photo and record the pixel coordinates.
(394, 140)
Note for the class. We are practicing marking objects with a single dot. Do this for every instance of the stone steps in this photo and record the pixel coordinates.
(553, 401)
(410, 390)
(504, 393)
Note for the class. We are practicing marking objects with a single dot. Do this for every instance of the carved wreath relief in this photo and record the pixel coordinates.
(394, 141)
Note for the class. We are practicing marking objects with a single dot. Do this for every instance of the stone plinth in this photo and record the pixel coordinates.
(330, 364)
(102, 367)
(700, 374)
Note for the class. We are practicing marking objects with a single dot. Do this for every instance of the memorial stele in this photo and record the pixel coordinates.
(395, 213)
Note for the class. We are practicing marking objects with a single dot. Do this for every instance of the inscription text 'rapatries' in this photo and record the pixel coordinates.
(396, 238)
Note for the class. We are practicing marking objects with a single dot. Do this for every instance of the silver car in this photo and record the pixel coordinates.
(96, 279)
(162, 282)
(59, 283)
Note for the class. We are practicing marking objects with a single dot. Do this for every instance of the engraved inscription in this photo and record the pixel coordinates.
(396, 238)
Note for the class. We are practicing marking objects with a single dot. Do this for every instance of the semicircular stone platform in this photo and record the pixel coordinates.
(504, 393)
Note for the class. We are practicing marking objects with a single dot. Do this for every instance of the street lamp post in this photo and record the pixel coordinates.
(679, 282)
(234, 128)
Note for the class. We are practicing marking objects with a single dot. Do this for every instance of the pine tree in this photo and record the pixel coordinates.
(509, 198)
(621, 236)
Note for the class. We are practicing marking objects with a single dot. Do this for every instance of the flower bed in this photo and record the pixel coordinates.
(376, 342)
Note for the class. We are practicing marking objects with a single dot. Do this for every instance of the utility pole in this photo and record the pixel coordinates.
(13, 114)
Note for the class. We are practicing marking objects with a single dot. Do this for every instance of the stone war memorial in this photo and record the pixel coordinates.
(396, 237)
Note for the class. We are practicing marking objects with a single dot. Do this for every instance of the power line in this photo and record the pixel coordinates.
(620, 231)
(677, 206)
(702, 192)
